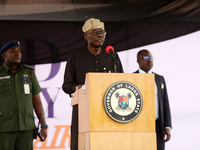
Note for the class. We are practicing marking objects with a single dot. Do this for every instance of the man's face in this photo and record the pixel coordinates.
(145, 61)
(12, 55)
(95, 37)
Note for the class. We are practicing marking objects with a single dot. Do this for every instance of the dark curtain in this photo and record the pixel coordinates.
(49, 42)
(49, 37)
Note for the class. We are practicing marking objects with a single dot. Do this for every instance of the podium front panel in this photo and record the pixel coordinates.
(92, 114)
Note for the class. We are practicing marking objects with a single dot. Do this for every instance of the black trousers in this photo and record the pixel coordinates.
(74, 129)
(159, 135)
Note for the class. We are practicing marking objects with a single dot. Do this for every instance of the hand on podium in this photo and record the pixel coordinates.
(78, 87)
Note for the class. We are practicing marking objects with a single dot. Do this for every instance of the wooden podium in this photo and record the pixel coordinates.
(98, 131)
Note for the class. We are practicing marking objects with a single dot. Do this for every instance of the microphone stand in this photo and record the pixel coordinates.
(113, 56)
(115, 67)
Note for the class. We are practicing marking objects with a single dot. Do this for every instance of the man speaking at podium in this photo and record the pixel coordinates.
(90, 59)
(162, 108)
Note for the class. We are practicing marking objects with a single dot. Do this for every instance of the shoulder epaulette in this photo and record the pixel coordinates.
(1, 67)
(27, 66)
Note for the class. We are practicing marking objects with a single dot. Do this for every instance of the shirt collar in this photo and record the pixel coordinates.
(142, 71)
(102, 51)
(5, 66)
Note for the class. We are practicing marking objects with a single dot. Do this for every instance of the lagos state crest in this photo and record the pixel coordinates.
(123, 101)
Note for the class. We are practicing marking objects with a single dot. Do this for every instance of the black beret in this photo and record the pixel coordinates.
(6, 46)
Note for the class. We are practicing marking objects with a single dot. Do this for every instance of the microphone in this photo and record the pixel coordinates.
(110, 51)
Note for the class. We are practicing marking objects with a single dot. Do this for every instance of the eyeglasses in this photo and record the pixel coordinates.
(148, 57)
(97, 32)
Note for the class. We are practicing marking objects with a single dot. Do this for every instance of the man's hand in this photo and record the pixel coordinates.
(167, 135)
(79, 86)
(43, 133)
(37, 104)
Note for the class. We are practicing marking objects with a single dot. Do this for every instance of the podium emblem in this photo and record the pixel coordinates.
(123, 101)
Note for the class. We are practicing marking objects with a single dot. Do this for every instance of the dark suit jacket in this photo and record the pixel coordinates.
(164, 108)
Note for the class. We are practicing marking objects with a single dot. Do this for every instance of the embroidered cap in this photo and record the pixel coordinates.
(92, 23)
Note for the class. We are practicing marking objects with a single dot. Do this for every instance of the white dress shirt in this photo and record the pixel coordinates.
(156, 95)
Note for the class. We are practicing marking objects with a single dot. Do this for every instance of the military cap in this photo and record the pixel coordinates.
(92, 23)
(10, 44)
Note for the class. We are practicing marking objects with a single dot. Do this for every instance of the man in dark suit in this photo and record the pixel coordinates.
(162, 108)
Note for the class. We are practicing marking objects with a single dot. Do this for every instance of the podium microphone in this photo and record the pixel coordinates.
(111, 52)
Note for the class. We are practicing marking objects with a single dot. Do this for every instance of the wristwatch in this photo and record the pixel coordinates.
(44, 126)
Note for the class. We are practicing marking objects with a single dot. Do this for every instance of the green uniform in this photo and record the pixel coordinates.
(16, 106)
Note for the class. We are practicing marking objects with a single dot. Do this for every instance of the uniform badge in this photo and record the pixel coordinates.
(26, 86)
(25, 76)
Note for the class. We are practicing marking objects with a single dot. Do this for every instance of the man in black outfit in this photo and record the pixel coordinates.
(162, 108)
(90, 59)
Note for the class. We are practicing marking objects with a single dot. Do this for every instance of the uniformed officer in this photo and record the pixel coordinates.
(19, 95)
